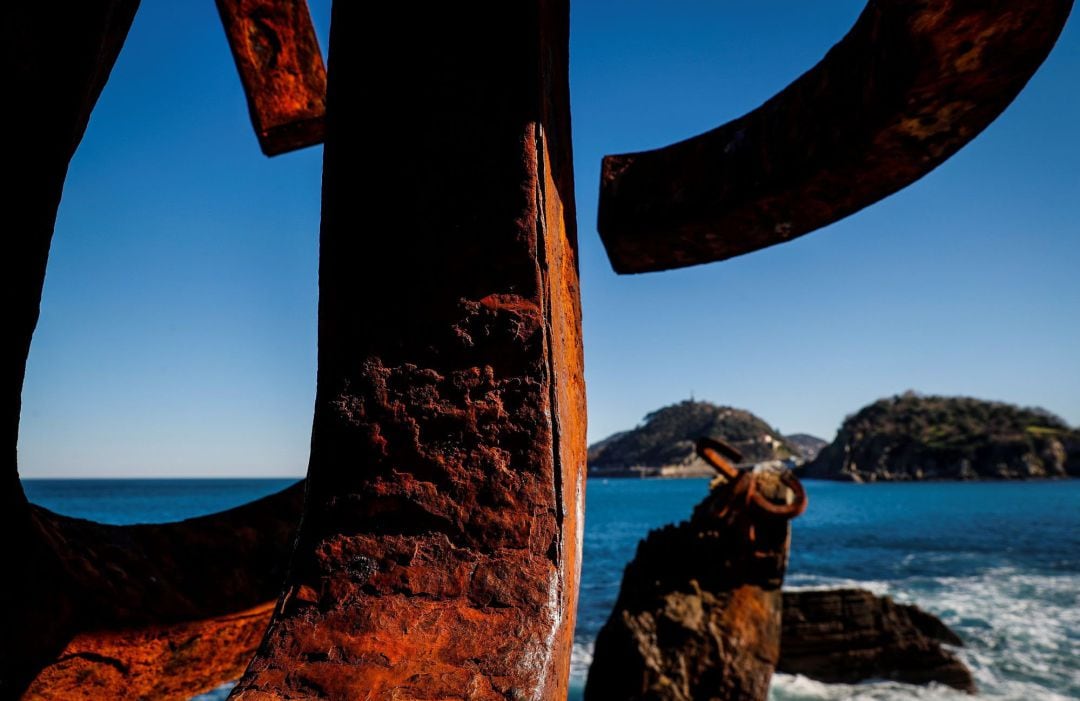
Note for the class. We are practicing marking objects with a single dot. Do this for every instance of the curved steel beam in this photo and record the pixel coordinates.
(162, 611)
(909, 85)
(55, 64)
(158, 611)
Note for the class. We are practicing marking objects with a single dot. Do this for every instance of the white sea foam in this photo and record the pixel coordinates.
(1021, 633)
(580, 660)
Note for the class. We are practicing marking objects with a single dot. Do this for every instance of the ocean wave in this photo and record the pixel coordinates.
(1021, 633)
(789, 687)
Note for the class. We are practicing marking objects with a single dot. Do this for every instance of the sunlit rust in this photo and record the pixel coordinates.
(722, 456)
(277, 53)
(441, 539)
(162, 611)
(439, 551)
(159, 662)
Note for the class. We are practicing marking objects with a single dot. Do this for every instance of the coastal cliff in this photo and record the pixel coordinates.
(916, 437)
(663, 445)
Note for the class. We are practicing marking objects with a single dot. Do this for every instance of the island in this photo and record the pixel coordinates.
(924, 437)
(663, 444)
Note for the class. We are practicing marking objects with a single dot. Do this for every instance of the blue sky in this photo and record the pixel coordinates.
(177, 334)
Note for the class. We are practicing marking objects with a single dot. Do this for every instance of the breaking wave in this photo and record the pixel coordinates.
(1021, 634)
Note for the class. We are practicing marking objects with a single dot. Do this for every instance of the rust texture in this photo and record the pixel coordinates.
(79, 595)
(159, 662)
(56, 64)
(157, 611)
(698, 615)
(439, 551)
(277, 53)
(911, 84)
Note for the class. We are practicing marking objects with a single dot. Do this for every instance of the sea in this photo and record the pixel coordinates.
(999, 562)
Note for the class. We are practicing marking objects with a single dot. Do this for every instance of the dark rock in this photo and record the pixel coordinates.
(850, 635)
(698, 613)
(915, 437)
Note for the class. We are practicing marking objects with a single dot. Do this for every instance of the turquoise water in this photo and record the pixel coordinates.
(999, 562)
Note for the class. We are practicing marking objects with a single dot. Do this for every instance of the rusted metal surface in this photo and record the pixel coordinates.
(159, 662)
(441, 539)
(720, 455)
(106, 609)
(911, 84)
(277, 53)
(161, 611)
(742, 492)
(699, 610)
(55, 65)
(439, 552)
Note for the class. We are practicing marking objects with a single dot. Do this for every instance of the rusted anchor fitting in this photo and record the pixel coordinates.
(720, 456)
(788, 511)
(743, 489)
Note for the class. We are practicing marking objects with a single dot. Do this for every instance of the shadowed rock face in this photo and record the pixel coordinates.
(698, 613)
(849, 635)
(921, 437)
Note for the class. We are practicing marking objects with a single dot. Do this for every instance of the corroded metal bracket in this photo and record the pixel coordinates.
(910, 85)
(281, 68)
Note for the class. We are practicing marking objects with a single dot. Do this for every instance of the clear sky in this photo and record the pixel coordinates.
(177, 334)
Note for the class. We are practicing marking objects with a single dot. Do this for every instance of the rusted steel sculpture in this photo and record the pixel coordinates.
(910, 85)
(698, 614)
(277, 54)
(439, 547)
(74, 591)
(439, 551)
(161, 611)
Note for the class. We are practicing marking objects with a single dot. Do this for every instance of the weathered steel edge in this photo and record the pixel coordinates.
(908, 86)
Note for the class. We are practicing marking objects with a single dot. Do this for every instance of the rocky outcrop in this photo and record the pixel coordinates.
(849, 635)
(916, 437)
(698, 613)
(663, 445)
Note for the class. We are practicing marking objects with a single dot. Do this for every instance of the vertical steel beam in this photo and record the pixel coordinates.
(439, 550)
